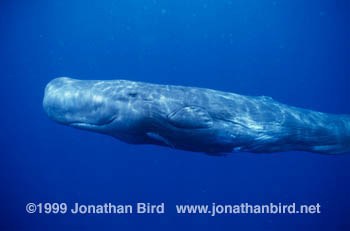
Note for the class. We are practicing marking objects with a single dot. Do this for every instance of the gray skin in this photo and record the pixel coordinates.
(193, 119)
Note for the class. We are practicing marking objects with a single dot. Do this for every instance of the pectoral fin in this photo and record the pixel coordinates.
(160, 138)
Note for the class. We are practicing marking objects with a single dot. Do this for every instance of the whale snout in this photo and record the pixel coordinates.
(77, 102)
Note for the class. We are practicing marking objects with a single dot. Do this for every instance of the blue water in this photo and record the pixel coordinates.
(297, 52)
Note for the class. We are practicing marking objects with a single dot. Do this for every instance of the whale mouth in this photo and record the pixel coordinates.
(92, 125)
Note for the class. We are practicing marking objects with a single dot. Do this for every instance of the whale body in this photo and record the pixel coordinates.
(193, 119)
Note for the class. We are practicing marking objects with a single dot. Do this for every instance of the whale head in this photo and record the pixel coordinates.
(100, 106)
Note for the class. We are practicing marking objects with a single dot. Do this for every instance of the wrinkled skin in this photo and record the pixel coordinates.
(193, 119)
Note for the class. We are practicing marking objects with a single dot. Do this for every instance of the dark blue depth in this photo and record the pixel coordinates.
(297, 52)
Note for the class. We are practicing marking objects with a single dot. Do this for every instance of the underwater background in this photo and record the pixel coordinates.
(296, 51)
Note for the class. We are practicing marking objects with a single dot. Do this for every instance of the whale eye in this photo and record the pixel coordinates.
(132, 94)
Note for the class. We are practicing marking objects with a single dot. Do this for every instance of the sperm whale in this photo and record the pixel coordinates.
(193, 119)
